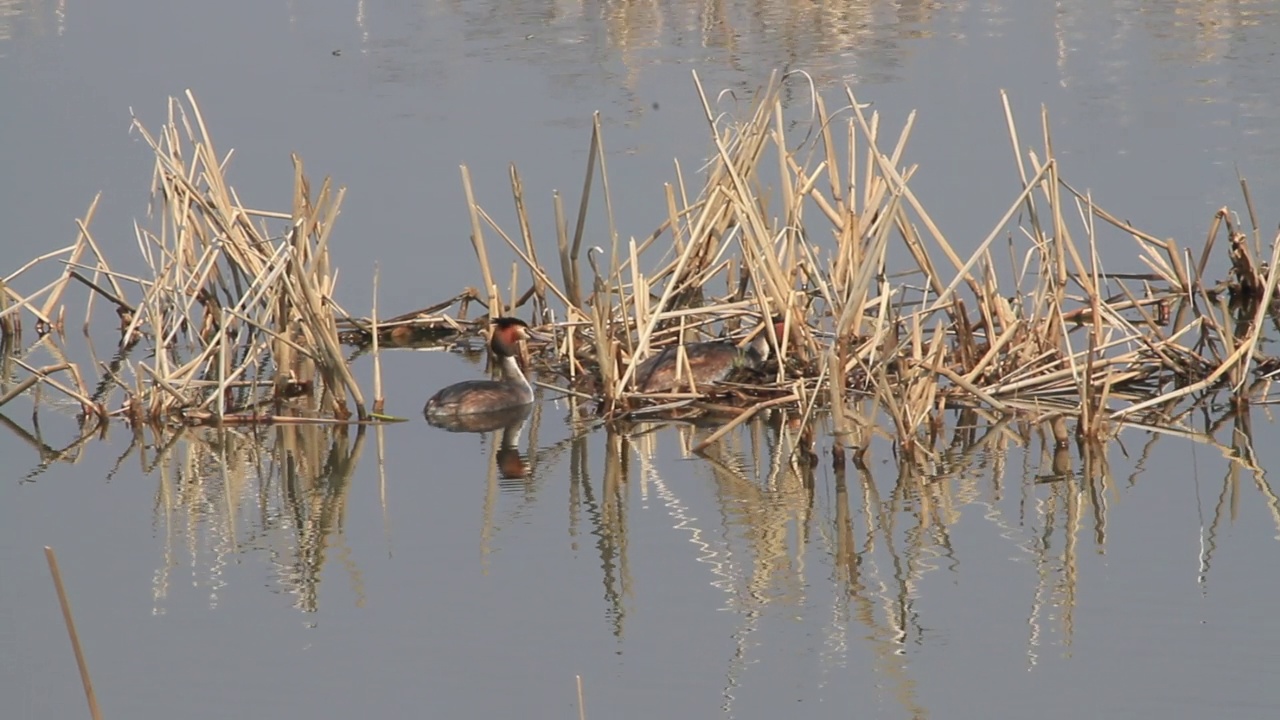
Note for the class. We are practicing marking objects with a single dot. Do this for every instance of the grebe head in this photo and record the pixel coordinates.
(507, 334)
(760, 343)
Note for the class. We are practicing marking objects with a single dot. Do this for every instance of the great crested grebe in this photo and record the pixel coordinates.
(489, 396)
(709, 362)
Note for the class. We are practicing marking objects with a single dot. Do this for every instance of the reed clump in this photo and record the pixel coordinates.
(796, 221)
(805, 230)
(237, 321)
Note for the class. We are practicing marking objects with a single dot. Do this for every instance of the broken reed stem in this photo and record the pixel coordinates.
(962, 273)
(220, 403)
(526, 233)
(8, 324)
(598, 135)
(377, 358)
(582, 706)
(21, 302)
(94, 711)
(531, 262)
(477, 242)
(568, 263)
(44, 375)
(584, 202)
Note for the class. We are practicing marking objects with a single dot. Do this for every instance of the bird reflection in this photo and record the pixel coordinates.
(482, 422)
(510, 463)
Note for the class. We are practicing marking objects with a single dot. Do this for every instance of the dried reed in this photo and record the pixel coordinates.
(94, 711)
(223, 299)
(801, 229)
(1104, 348)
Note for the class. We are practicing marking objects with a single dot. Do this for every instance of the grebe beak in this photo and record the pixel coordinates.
(538, 336)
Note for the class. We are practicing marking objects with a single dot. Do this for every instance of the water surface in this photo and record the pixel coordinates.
(293, 573)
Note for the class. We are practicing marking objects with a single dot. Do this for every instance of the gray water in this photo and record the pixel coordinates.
(741, 584)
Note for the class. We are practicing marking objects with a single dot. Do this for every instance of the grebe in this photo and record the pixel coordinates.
(709, 362)
(488, 396)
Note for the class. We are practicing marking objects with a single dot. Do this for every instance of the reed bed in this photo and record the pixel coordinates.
(1027, 323)
(237, 321)
(797, 221)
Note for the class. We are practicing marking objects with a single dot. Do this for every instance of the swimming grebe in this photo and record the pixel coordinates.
(488, 396)
(709, 362)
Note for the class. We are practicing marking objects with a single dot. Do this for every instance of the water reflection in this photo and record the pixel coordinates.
(866, 40)
(878, 534)
(782, 524)
(284, 490)
(281, 492)
(574, 41)
(17, 378)
(31, 18)
(764, 484)
(772, 527)
(863, 41)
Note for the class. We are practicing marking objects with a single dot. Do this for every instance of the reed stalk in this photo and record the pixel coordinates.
(94, 711)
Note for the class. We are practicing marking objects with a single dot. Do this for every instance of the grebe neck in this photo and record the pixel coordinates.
(760, 346)
(511, 372)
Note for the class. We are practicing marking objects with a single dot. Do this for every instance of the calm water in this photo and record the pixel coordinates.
(404, 575)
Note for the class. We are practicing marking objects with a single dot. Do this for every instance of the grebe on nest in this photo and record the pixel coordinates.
(489, 396)
(709, 362)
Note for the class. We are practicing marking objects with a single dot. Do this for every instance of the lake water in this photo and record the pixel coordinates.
(404, 574)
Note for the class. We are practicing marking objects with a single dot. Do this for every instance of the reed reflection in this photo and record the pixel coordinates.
(515, 471)
(773, 526)
(20, 19)
(870, 38)
(785, 529)
(281, 492)
(879, 534)
(864, 40)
